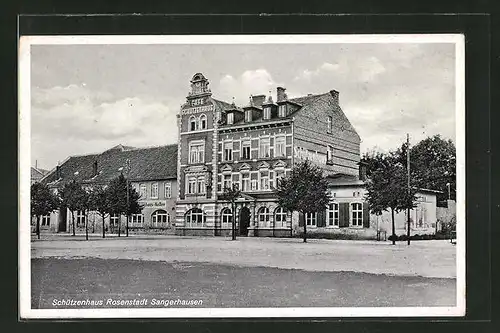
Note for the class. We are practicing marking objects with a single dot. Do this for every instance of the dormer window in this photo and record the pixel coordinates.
(230, 118)
(267, 113)
(282, 111)
(248, 115)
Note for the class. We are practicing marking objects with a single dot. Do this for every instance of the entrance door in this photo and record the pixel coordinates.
(63, 215)
(244, 221)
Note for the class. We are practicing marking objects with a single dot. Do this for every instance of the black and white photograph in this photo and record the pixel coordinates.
(242, 176)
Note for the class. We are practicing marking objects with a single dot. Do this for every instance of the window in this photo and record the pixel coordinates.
(254, 184)
(154, 190)
(192, 123)
(332, 214)
(196, 153)
(357, 214)
(160, 219)
(245, 182)
(194, 217)
(263, 217)
(267, 113)
(226, 183)
(245, 147)
(137, 219)
(264, 149)
(248, 115)
(279, 175)
(311, 219)
(279, 146)
(168, 190)
(230, 118)
(114, 219)
(80, 218)
(46, 220)
(264, 180)
(228, 151)
(282, 111)
(143, 191)
(329, 154)
(330, 121)
(280, 217)
(203, 122)
(191, 184)
(227, 217)
(201, 184)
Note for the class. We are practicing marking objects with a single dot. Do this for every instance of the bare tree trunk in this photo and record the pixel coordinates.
(305, 230)
(73, 221)
(233, 225)
(38, 226)
(393, 228)
(86, 226)
(119, 225)
(103, 227)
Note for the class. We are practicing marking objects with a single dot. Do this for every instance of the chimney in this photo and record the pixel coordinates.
(280, 94)
(335, 95)
(58, 172)
(362, 171)
(258, 100)
(94, 169)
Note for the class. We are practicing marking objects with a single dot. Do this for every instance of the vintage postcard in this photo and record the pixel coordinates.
(242, 176)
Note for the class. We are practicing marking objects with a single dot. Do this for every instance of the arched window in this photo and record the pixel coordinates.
(192, 123)
(194, 218)
(160, 219)
(203, 122)
(263, 215)
(227, 216)
(280, 217)
(332, 215)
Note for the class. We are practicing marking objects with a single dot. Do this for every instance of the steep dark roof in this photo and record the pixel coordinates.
(221, 105)
(154, 163)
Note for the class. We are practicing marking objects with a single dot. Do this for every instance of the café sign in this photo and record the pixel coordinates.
(154, 203)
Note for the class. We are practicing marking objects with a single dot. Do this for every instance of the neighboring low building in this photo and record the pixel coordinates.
(152, 173)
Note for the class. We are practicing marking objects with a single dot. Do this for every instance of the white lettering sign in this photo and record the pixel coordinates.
(204, 108)
(312, 156)
(153, 203)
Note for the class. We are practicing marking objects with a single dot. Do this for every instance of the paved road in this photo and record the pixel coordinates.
(421, 258)
(218, 285)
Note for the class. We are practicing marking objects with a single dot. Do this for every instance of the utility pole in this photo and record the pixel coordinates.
(409, 190)
(128, 200)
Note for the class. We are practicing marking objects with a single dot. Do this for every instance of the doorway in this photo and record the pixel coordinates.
(63, 216)
(244, 221)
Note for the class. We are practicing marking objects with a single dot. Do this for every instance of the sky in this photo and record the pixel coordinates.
(88, 98)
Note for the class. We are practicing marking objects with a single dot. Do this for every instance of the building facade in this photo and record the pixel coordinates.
(151, 172)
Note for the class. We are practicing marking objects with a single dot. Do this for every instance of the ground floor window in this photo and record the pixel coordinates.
(194, 218)
(45, 220)
(80, 218)
(160, 219)
(332, 215)
(227, 217)
(357, 214)
(137, 219)
(311, 219)
(263, 215)
(114, 219)
(280, 217)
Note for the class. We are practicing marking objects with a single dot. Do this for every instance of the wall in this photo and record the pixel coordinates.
(447, 214)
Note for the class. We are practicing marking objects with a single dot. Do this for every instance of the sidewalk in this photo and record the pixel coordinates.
(436, 258)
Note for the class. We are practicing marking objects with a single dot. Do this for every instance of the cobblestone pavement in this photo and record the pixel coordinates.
(435, 258)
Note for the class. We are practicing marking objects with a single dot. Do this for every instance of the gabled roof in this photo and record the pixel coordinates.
(152, 163)
(37, 172)
(221, 105)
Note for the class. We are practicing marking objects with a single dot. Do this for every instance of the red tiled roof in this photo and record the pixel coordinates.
(154, 163)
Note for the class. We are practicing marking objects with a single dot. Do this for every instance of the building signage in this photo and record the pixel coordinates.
(153, 203)
(312, 156)
(204, 108)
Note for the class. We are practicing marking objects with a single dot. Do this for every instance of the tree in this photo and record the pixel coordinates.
(42, 203)
(117, 192)
(231, 194)
(387, 187)
(101, 204)
(304, 190)
(86, 205)
(73, 197)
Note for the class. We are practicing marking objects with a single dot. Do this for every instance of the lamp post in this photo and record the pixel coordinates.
(128, 199)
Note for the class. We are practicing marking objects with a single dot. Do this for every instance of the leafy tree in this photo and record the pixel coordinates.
(304, 190)
(73, 197)
(387, 187)
(42, 203)
(117, 192)
(231, 194)
(100, 201)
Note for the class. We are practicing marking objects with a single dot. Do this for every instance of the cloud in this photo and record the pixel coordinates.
(81, 119)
